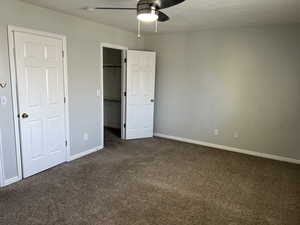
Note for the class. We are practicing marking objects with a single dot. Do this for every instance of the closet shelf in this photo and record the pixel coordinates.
(111, 66)
(112, 99)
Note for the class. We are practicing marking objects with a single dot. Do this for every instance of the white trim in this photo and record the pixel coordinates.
(11, 180)
(1, 162)
(123, 97)
(36, 32)
(114, 46)
(87, 152)
(227, 148)
(13, 75)
(66, 91)
(13, 78)
(123, 102)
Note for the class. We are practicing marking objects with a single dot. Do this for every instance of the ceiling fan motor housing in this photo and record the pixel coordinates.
(147, 6)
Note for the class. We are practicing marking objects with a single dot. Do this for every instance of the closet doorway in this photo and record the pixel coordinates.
(114, 101)
(127, 93)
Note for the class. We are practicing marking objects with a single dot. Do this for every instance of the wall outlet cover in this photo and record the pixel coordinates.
(85, 136)
(3, 100)
(236, 135)
(216, 132)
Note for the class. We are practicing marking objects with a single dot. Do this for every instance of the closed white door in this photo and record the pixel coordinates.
(140, 94)
(40, 85)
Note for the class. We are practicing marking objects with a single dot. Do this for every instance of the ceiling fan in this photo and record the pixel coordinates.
(147, 10)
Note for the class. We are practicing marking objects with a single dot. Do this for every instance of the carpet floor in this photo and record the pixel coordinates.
(157, 182)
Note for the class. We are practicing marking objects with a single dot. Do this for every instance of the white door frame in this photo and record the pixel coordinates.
(13, 76)
(123, 88)
(1, 162)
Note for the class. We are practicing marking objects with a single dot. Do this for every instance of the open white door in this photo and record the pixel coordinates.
(40, 84)
(140, 94)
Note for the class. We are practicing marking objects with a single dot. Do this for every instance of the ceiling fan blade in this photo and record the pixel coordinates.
(168, 3)
(115, 8)
(162, 17)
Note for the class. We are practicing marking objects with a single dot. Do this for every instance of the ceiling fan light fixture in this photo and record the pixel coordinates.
(147, 17)
(147, 11)
(147, 14)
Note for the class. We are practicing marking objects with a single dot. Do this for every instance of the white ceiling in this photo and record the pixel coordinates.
(191, 15)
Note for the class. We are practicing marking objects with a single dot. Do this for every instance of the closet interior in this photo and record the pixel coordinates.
(112, 74)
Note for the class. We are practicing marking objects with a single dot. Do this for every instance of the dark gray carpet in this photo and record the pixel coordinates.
(157, 182)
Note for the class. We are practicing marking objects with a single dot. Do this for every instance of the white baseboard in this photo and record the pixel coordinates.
(227, 148)
(79, 155)
(87, 152)
(12, 180)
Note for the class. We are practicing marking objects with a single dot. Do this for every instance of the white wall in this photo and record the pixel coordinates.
(243, 80)
(83, 43)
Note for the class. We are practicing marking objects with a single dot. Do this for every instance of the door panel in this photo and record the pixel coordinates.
(33, 88)
(140, 94)
(40, 87)
(34, 140)
(52, 76)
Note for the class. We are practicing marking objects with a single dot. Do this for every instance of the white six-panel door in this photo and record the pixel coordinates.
(140, 94)
(40, 86)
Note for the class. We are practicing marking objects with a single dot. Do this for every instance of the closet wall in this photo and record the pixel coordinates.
(112, 87)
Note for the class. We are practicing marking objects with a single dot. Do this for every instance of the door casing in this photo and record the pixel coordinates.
(13, 75)
(123, 89)
(1, 162)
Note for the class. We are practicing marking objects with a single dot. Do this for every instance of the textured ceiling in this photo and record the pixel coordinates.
(191, 15)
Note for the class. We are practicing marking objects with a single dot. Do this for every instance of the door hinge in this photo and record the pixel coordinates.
(125, 60)
(65, 99)
(66, 143)
(125, 93)
(63, 54)
(124, 125)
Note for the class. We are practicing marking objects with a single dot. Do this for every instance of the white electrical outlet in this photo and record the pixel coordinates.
(216, 132)
(3, 100)
(85, 136)
(236, 134)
